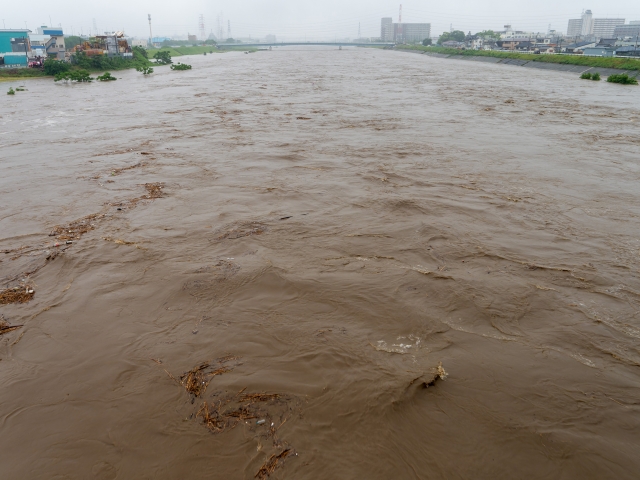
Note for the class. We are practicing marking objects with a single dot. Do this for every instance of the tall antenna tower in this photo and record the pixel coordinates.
(201, 26)
(95, 27)
(228, 28)
(400, 36)
(150, 32)
(358, 29)
(220, 27)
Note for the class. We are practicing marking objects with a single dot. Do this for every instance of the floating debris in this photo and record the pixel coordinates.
(5, 327)
(77, 228)
(273, 462)
(429, 380)
(154, 190)
(196, 380)
(258, 397)
(20, 294)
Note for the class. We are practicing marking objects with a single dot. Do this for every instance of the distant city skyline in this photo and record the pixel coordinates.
(301, 19)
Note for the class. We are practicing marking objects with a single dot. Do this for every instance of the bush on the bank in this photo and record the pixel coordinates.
(585, 76)
(181, 66)
(106, 77)
(54, 67)
(623, 79)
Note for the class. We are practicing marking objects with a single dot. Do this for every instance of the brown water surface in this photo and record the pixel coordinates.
(339, 222)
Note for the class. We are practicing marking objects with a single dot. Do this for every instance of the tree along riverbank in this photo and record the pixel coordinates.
(619, 63)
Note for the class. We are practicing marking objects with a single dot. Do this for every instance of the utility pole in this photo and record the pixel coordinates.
(150, 32)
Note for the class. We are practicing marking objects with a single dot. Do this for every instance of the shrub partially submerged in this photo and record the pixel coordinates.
(585, 76)
(181, 66)
(74, 76)
(145, 70)
(106, 77)
(623, 79)
(11, 91)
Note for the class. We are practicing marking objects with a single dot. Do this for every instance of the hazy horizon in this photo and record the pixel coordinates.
(300, 19)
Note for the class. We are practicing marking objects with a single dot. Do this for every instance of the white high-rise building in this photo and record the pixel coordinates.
(575, 28)
(587, 23)
(604, 27)
(386, 29)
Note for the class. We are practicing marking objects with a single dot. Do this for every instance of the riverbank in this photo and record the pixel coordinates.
(572, 63)
(9, 74)
(181, 51)
(102, 64)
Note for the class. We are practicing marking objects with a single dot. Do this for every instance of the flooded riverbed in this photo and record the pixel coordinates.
(262, 261)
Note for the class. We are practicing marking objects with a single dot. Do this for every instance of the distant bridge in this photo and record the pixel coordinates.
(290, 44)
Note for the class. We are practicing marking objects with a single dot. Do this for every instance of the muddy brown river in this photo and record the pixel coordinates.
(321, 264)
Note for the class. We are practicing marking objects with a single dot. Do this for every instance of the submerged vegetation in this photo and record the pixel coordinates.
(590, 76)
(106, 77)
(79, 76)
(11, 91)
(145, 70)
(181, 66)
(623, 79)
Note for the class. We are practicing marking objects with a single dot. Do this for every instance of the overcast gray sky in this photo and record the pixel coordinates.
(311, 19)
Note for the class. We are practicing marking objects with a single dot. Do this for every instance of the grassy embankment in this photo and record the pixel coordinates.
(596, 62)
(180, 51)
(16, 74)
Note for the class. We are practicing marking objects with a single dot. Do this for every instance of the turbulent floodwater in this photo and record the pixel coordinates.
(325, 226)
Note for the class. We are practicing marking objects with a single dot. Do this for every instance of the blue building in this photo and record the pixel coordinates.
(14, 48)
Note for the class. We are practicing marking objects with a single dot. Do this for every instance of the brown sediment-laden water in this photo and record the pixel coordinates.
(317, 263)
